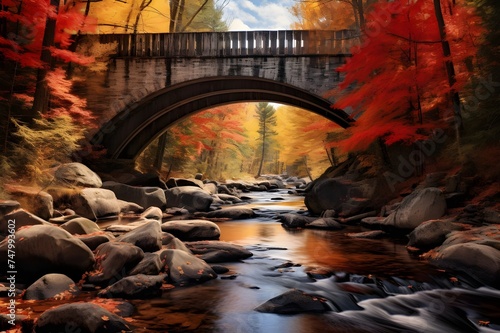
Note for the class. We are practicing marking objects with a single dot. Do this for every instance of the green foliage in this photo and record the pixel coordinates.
(44, 145)
(265, 113)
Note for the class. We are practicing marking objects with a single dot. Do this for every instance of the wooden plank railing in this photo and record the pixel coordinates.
(233, 43)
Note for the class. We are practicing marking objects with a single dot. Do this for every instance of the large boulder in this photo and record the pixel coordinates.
(80, 226)
(147, 236)
(482, 262)
(82, 318)
(294, 301)
(184, 268)
(191, 198)
(431, 233)
(135, 287)
(33, 199)
(17, 219)
(49, 286)
(76, 174)
(217, 251)
(420, 206)
(149, 265)
(143, 196)
(114, 261)
(169, 241)
(95, 203)
(192, 230)
(43, 249)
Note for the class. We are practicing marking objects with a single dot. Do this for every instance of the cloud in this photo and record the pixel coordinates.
(259, 14)
(238, 25)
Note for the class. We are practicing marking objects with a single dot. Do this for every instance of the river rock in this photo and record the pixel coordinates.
(372, 234)
(43, 249)
(96, 239)
(80, 226)
(49, 286)
(95, 203)
(420, 206)
(147, 180)
(233, 213)
(149, 265)
(22, 218)
(147, 236)
(129, 207)
(152, 213)
(184, 268)
(143, 196)
(33, 199)
(135, 287)
(114, 261)
(218, 251)
(77, 174)
(80, 317)
(8, 206)
(293, 221)
(325, 223)
(169, 241)
(176, 182)
(431, 233)
(229, 198)
(191, 198)
(192, 230)
(294, 301)
(479, 261)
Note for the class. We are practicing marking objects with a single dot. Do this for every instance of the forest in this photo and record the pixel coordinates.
(421, 69)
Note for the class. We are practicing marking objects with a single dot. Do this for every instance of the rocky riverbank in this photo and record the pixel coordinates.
(167, 239)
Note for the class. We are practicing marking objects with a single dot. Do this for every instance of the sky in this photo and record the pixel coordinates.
(259, 14)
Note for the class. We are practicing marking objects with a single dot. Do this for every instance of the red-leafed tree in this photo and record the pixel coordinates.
(396, 82)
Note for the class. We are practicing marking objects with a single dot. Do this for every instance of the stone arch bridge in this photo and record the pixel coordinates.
(154, 80)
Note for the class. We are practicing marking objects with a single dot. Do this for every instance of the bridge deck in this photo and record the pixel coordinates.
(233, 43)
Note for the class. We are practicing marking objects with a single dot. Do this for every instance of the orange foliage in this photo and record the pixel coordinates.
(331, 15)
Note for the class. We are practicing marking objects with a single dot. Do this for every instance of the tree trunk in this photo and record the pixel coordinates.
(160, 151)
(41, 99)
(263, 150)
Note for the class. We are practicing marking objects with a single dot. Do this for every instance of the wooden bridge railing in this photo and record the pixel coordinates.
(233, 43)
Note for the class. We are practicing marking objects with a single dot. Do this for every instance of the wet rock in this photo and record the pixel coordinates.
(149, 265)
(420, 206)
(218, 251)
(175, 182)
(147, 236)
(95, 203)
(233, 213)
(80, 226)
(143, 196)
(77, 174)
(431, 233)
(152, 213)
(372, 234)
(84, 317)
(135, 287)
(169, 241)
(129, 207)
(96, 239)
(294, 301)
(49, 286)
(482, 262)
(191, 198)
(22, 218)
(295, 220)
(325, 223)
(220, 269)
(192, 230)
(33, 199)
(114, 261)
(229, 198)
(8, 206)
(184, 268)
(43, 249)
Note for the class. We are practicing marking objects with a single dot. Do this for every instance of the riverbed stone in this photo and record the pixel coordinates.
(22, 218)
(169, 241)
(38, 202)
(192, 230)
(43, 249)
(431, 233)
(325, 223)
(292, 221)
(149, 265)
(177, 182)
(147, 236)
(152, 213)
(129, 207)
(114, 261)
(80, 226)
(138, 286)
(191, 198)
(143, 196)
(95, 239)
(76, 174)
(8, 206)
(229, 198)
(371, 234)
(294, 301)
(83, 317)
(233, 213)
(482, 262)
(218, 251)
(420, 206)
(49, 286)
(95, 203)
(184, 268)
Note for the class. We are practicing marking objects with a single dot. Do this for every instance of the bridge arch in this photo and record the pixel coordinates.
(130, 131)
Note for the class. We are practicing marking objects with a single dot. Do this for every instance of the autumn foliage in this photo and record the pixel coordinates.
(396, 82)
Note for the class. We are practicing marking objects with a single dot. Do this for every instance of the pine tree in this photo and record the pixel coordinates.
(265, 113)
